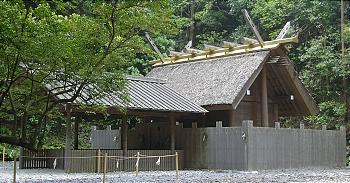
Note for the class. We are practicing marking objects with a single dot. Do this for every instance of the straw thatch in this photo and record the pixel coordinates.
(214, 81)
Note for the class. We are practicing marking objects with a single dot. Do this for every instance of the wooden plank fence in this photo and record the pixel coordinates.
(256, 148)
(240, 148)
(29, 160)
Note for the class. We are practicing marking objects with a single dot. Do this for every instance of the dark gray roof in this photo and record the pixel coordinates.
(144, 94)
(214, 81)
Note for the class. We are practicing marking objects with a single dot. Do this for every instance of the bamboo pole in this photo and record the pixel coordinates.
(14, 168)
(177, 164)
(105, 168)
(98, 160)
(137, 163)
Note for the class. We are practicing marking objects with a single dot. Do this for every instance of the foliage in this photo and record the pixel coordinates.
(329, 111)
(44, 43)
(316, 57)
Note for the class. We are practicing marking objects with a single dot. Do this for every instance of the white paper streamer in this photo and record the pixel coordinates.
(158, 161)
(54, 163)
(137, 162)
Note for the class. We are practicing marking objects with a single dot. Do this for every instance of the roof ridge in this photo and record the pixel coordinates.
(212, 59)
(225, 51)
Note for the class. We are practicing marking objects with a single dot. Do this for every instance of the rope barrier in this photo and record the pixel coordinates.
(117, 158)
(155, 156)
(137, 156)
(86, 157)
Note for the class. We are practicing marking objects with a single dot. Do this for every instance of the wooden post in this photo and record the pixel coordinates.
(177, 164)
(98, 160)
(105, 168)
(172, 132)
(125, 134)
(68, 145)
(14, 168)
(125, 137)
(264, 100)
(76, 133)
(247, 126)
(137, 163)
(3, 156)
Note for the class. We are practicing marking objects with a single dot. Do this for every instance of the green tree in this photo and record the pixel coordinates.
(51, 44)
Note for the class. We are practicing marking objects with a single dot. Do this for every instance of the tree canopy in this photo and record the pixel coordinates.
(72, 43)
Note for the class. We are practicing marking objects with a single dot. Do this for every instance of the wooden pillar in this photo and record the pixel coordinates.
(68, 145)
(125, 138)
(172, 131)
(76, 133)
(231, 118)
(264, 99)
(125, 134)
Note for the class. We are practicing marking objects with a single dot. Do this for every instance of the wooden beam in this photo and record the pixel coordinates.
(172, 132)
(228, 51)
(284, 31)
(264, 99)
(253, 27)
(154, 46)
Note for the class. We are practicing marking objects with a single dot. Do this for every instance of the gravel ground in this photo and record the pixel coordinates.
(288, 175)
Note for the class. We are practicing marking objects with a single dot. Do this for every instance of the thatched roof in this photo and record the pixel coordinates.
(215, 81)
